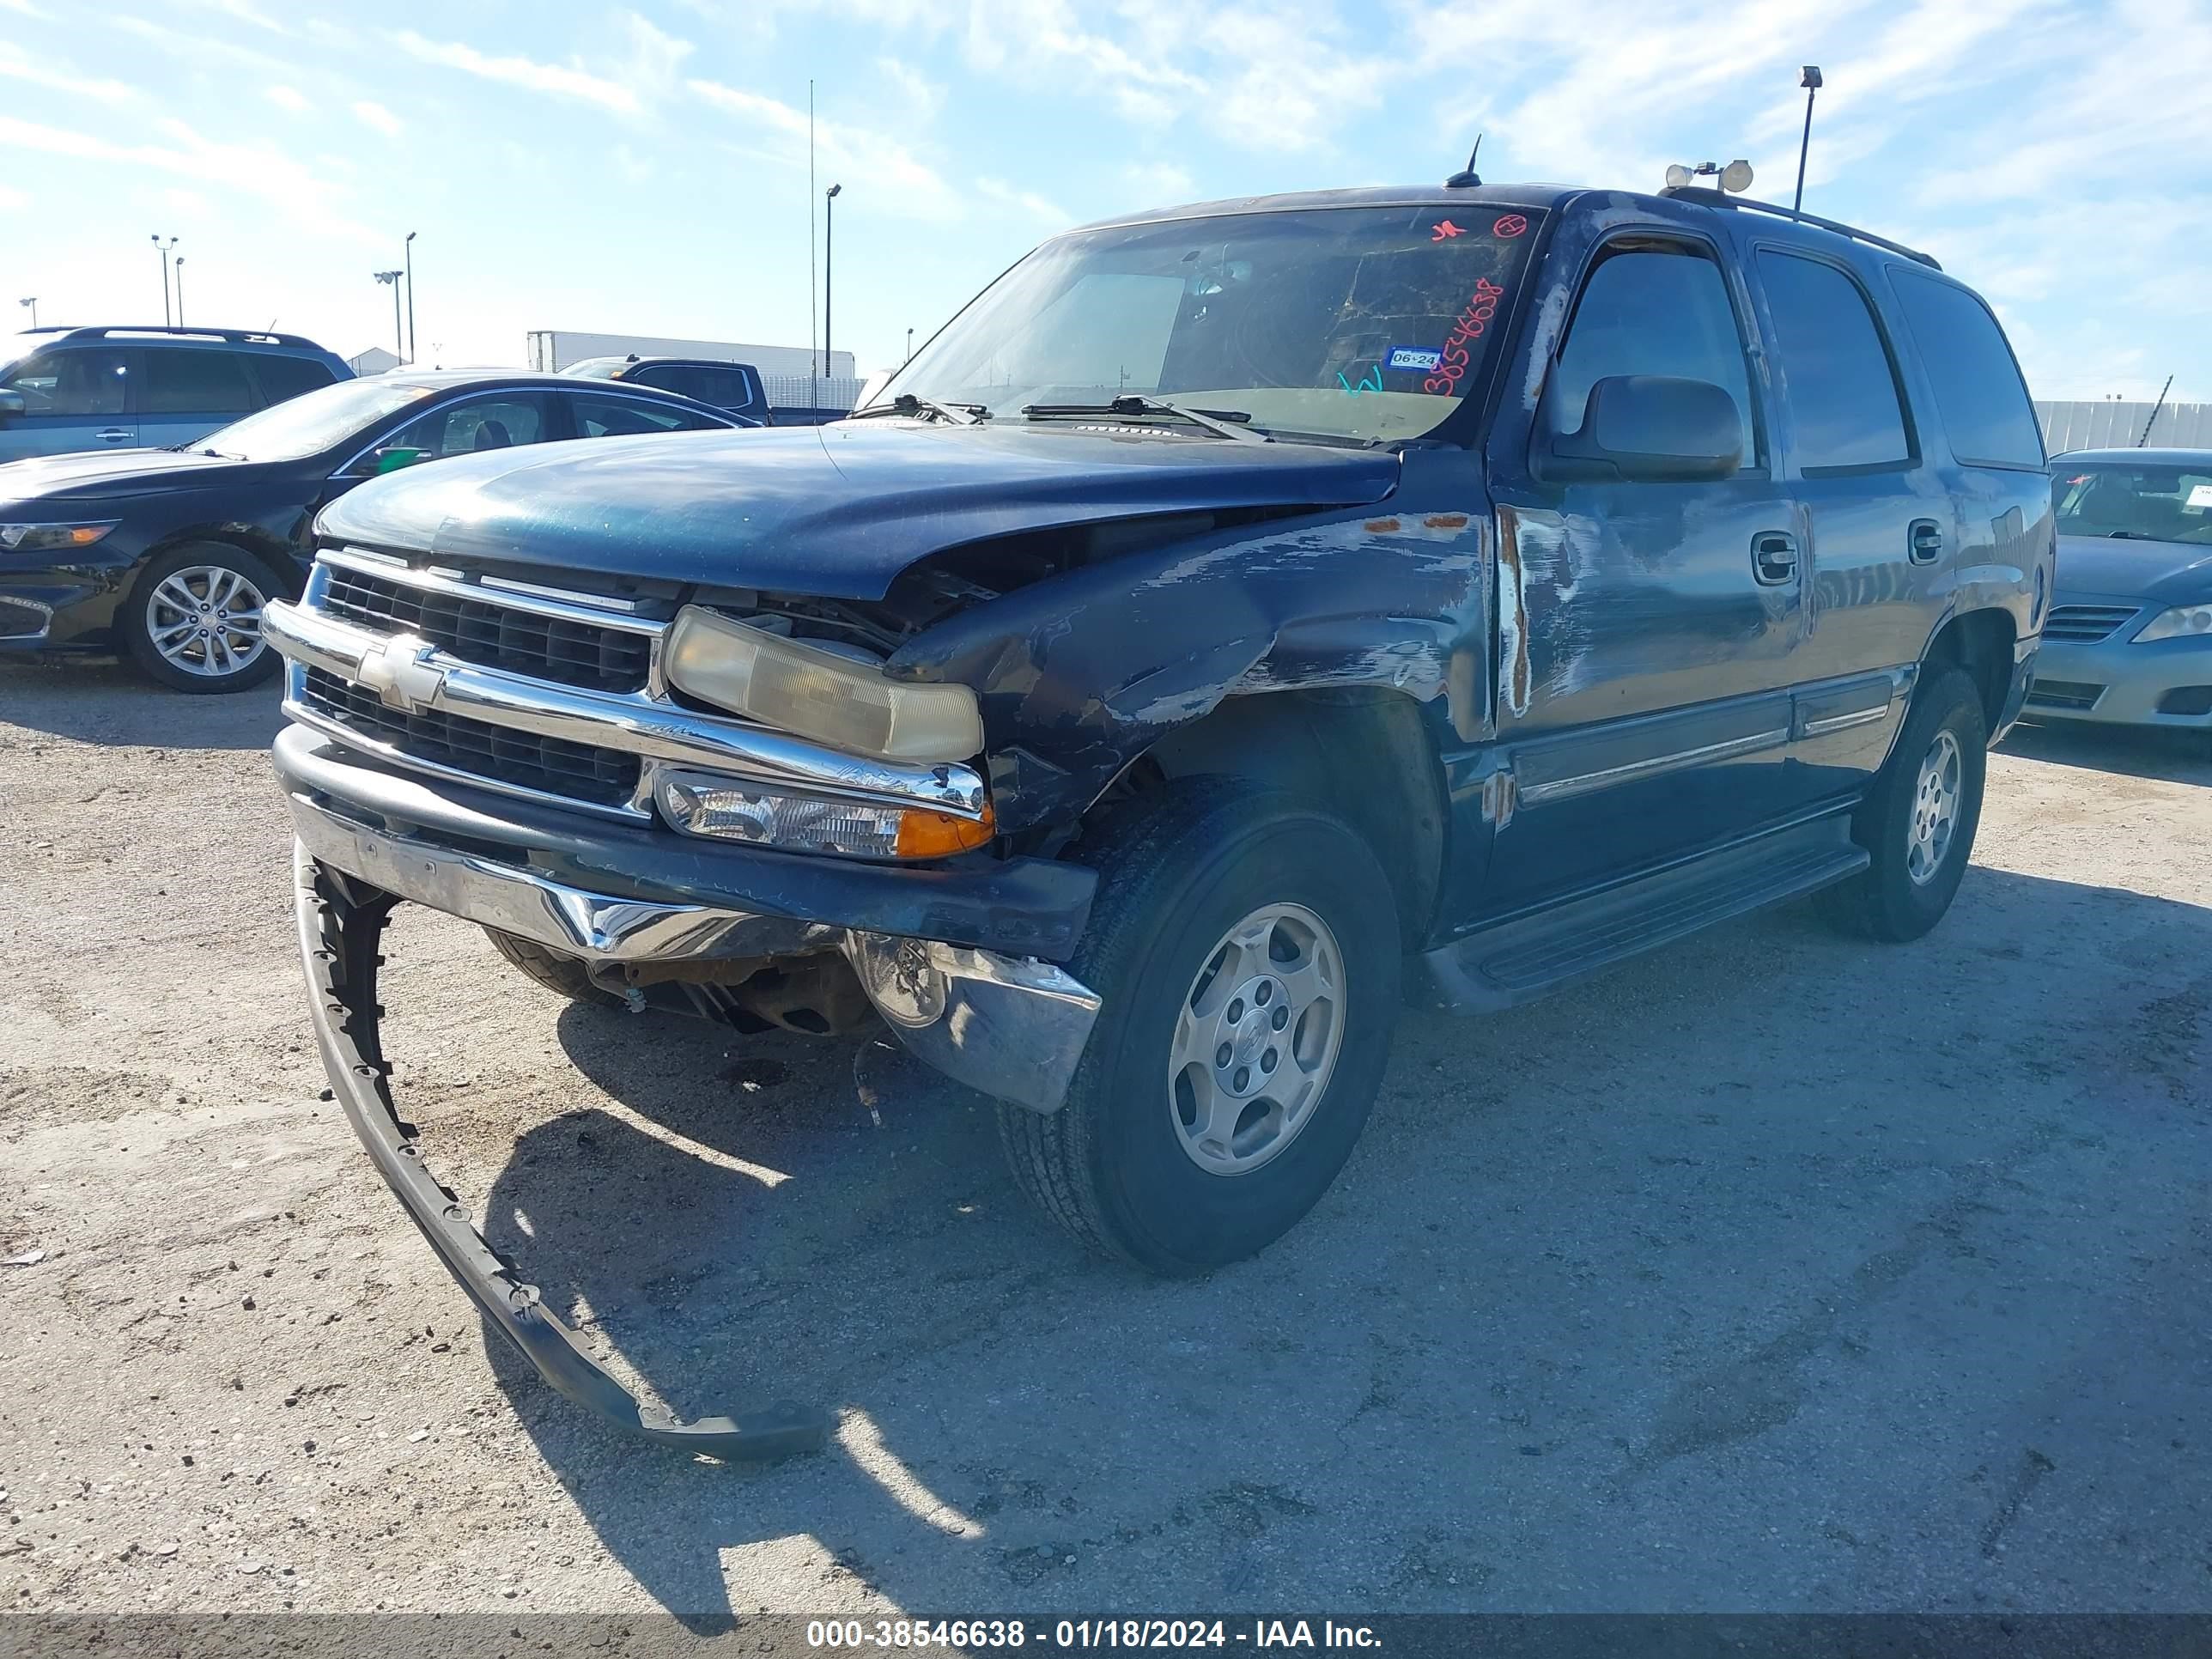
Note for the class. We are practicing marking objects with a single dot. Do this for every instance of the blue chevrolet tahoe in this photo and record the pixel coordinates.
(1237, 621)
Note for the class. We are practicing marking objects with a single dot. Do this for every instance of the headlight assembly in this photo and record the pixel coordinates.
(2182, 622)
(812, 693)
(765, 815)
(50, 537)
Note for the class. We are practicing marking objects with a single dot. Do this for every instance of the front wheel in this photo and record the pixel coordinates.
(1918, 822)
(193, 620)
(1245, 949)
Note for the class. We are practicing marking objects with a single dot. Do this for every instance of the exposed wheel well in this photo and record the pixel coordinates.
(1361, 751)
(1979, 642)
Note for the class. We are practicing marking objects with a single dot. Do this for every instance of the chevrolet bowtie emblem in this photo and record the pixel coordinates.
(400, 672)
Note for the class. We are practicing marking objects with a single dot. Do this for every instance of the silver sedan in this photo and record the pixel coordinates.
(2128, 639)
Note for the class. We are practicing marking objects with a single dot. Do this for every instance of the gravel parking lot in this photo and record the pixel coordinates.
(1770, 1272)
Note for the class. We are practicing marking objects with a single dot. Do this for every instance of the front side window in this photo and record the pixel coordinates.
(2133, 501)
(1835, 369)
(1654, 311)
(196, 381)
(83, 381)
(617, 417)
(1984, 402)
(466, 429)
(1360, 323)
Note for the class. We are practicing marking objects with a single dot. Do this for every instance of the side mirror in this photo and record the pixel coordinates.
(391, 460)
(1648, 429)
(11, 405)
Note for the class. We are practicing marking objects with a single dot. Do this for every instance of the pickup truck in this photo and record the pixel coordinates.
(1239, 620)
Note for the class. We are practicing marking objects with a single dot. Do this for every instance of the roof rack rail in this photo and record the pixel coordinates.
(1717, 198)
(235, 336)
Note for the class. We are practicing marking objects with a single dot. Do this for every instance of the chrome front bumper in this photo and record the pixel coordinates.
(1009, 1027)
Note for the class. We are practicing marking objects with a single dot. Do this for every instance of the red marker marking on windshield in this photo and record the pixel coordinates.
(1445, 231)
(1511, 224)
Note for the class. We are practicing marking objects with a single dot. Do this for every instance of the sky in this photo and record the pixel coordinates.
(642, 167)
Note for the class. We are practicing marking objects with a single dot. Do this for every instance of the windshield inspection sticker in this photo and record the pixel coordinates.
(1422, 359)
(2199, 498)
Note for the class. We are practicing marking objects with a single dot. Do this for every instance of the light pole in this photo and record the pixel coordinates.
(163, 248)
(408, 248)
(33, 303)
(909, 346)
(392, 277)
(180, 290)
(1811, 82)
(829, 267)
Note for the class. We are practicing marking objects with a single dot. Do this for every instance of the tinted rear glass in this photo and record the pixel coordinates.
(287, 377)
(1984, 402)
(196, 381)
(1835, 369)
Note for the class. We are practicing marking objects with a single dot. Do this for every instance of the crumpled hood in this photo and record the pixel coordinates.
(2106, 567)
(110, 474)
(835, 512)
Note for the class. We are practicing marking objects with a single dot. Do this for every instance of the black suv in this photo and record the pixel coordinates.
(1239, 619)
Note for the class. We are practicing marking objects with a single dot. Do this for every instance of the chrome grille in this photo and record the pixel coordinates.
(2085, 624)
(491, 634)
(500, 754)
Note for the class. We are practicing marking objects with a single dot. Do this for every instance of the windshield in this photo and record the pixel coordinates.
(1364, 322)
(312, 422)
(2149, 503)
(599, 368)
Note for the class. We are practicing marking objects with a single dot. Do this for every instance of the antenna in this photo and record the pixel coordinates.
(2154, 408)
(1467, 178)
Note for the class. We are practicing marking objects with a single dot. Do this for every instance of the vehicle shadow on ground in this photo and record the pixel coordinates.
(113, 705)
(741, 1230)
(2145, 752)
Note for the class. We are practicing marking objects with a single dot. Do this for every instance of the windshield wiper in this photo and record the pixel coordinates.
(906, 403)
(1216, 420)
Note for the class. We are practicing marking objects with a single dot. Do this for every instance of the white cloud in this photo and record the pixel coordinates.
(872, 163)
(260, 170)
(628, 87)
(924, 97)
(12, 199)
(1028, 202)
(1158, 184)
(285, 97)
(22, 8)
(375, 115)
(16, 64)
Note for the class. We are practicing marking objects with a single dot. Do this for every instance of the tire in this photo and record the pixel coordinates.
(562, 975)
(1909, 886)
(160, 610)
(1120, 1164)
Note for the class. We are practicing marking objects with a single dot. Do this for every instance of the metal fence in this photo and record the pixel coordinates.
(800, 392)
(2110, 425)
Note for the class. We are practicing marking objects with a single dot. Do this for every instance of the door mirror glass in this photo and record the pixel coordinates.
(1652, 428)
(11, 405)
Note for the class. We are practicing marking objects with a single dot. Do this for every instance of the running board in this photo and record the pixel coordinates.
(1513, 961)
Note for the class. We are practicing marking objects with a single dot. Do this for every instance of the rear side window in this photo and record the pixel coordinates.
(196, 382)
(1654, 311)
(1986, 412)
(82, 381)
(1835, 369)
(724, 388)
(287, 377)
(617, 417)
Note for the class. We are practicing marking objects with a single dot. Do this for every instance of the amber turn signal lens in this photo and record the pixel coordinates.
(935, 835)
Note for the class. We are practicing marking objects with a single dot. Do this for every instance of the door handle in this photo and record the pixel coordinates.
(113, 435)
(1773, 556)
(1925, 541)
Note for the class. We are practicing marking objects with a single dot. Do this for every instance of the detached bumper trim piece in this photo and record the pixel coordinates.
(340, 925)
